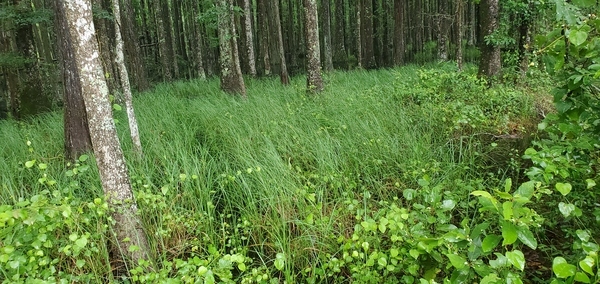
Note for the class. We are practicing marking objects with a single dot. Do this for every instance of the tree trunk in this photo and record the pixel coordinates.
(263, 36)
(366, 34)
(326, 30)
(231, 74)
(314, 81)
(358, 25)
(124, 76)
(132, 46)
(398, 32)
(340, 57)
(442, 26)
(104, 45)
(76, 130)
(249, 37)
(283, 73)
(198, 42)
(490, 64)
(108, 153)
(459, 27)
(171, 38)
(162, 41)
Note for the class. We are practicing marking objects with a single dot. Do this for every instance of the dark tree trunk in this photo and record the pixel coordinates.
(314, 81)
(398, 32)
(132, 46)
(459, 31)
(366, 34)
(163, 43)
(490, 64)
(263, 36)
(340, 57)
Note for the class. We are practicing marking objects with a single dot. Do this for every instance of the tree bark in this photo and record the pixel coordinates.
(263, 34)
(490, 63)
(340, 57)
(108, 153)
(231, 74)
(132, 46)
(76, 129)
(314, 81)
(326, 30)
(398, 32)
(124, 76)
(249, 37)
(459, 27)
(198, 42)
(163, 49)
(366, 33)
(283, 73)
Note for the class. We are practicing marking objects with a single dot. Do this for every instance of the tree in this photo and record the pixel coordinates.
(124, 76)
(164, 45)
(249, 37)
(314, 81)
(105, 142)
(283, 73)
(398, 32)
(132, 46)
(326, 30)
(340, 57)
(459, 27)
(366, 34)
(76, 129)
(490, 63)
(231, 73)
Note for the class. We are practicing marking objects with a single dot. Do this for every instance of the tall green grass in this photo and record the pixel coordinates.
(266, 160)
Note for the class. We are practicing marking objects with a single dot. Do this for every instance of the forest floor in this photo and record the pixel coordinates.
(351, 185)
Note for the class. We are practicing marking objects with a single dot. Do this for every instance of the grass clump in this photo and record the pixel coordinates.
(282, 185)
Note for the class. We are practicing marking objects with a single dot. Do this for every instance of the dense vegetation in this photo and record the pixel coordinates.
(373, 181)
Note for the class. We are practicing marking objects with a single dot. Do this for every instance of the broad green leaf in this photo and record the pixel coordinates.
(563, 188)
(526, 190)
(516, 258)
(81, 242)
(29, 164)
(43, 166)
(209, 277)
(448, 204)
(279, 262)
(562, 269)
(499, 262)
(507, 185)
(587, 265)
(383, 224)
(117, 107)
(487, 196)
(241, 266)
(512, 278)
(80, 263)
(581, 277)
(490, 242)
(527, 237)
(457, 261)
(490, 279)
(83, 158)
(590, 183)
(382, 261)
(509, 233)
(566, 209)
(507, 210)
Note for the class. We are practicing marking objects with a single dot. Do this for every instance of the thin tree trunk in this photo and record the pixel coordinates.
(359, 44)
(108, 153)
(198, 42)
(340, 57)
(326, 30)
(124, 76)
(459, 28)
(132, 46)
(398, 33)
(162, 41)
(314, 81)
(283, 73)
(263, 34)
(367, 34)
(249, 38)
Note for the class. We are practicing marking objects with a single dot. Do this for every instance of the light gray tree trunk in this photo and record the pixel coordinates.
(314, 81)
(124, 76)
(105, 142)
(249, 37)
(231, 73)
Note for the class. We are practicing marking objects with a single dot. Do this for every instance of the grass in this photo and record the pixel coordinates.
(254, 174)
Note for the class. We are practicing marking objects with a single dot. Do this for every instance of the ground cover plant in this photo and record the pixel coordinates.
(411, 175)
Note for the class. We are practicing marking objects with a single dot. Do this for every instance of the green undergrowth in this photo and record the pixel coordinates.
(373, 181)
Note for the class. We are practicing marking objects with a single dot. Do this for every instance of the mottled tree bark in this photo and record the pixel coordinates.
(231, 73)
(198, 43)
(108, 153)
(459, 27)
(124, 77)
(76, 130)
(398, 32)
(442, 26)
(326, 30)
(249, 37)
(314, 81)
(490, 63)
(283, 73)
